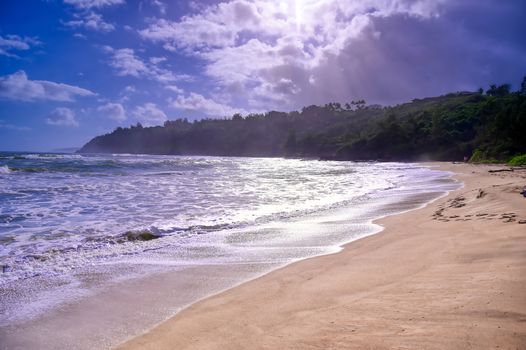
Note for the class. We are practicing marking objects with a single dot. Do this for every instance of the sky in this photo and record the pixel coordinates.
(74, 69)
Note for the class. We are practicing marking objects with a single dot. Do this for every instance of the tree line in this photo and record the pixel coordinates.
(488, 125)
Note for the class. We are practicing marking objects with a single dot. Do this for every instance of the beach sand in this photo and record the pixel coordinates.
(451, 275)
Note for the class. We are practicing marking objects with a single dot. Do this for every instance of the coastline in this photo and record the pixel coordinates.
(90, 308)
(449, 279)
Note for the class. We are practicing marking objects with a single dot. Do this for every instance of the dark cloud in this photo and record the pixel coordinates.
(468, 46)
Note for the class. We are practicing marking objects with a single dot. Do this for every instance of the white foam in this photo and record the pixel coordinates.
(43, 156)
(4, 169)
(266, 213)
(261, 247)
(55, 222)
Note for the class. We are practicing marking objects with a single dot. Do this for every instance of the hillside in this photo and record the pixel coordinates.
(491, 124)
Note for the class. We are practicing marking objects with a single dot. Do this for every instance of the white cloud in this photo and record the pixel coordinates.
(80, 36)
(216, 26)
(130, 89)
(157, 60)
(198, 103)
(268, 49)
(113, 111)
(174, 88)
(88, 4)
(4, 125)
(149, 114)
(90, 21)
(126, 92)
(160, 5)
(62, 116)
(11, 43)
(126, 63)
(17, 86)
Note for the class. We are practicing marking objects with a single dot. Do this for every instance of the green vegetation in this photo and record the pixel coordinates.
(482, 157)
(518, 160)
(484, 127)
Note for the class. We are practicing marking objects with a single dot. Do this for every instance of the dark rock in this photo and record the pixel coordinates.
(143, 235)
(481, 194)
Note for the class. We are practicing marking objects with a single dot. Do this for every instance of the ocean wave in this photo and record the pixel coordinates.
(4, 169)
(68, 163)
(104, 205)
(44, 156)
(91, 240)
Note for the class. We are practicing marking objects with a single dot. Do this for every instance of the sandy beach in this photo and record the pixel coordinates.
(451, 275)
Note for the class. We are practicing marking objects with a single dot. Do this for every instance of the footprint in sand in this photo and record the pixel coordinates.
(508, 217)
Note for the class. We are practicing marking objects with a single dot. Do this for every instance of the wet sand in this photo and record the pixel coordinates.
(451, 275)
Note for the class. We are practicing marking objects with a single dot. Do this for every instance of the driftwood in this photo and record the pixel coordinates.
(508, 169)
(500, 170)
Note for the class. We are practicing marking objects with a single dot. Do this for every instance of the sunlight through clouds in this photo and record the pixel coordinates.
(213, 58)
(259, 45)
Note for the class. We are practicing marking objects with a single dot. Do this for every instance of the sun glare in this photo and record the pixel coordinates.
(298, 10)
(295, 9)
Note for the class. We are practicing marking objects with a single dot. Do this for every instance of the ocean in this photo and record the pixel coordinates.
(157, 233)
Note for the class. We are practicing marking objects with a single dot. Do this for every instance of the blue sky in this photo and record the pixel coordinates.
(74, 69)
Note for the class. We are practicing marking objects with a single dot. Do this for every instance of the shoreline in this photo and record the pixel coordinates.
(93, 310)
(290, 307)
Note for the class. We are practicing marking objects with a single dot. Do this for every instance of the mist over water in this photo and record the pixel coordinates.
(72, 225)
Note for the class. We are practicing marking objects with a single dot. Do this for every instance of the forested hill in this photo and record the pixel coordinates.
(488, 125)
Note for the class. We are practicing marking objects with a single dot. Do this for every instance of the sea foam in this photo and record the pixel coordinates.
(4, 169)
(75, 226)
